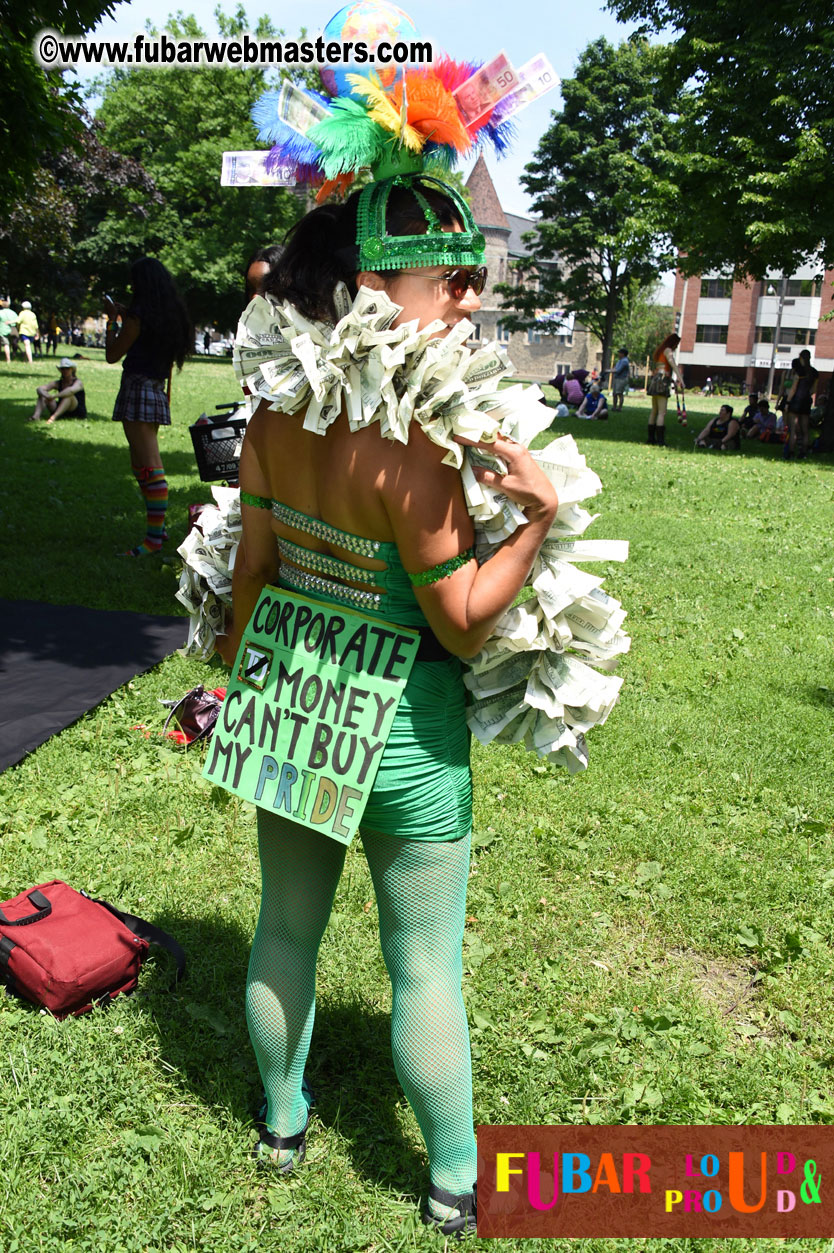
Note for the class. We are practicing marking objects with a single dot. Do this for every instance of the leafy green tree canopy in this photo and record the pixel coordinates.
(44, 233)
(642, 323)
(177, 122)
(598, 232)
(752, 170)
(38, 111)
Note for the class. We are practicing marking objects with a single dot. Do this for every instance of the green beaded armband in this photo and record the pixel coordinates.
(443, 570)
(257, 502)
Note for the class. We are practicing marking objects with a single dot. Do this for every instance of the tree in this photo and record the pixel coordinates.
(752, 186)
(177, 122)
(643, 323)
(44, 233)
(591, 175)
(38, 112)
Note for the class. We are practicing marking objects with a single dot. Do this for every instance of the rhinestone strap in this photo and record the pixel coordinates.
(302, 581)
(257, 502)
(442, 570)
(323, 563)
(324, 531)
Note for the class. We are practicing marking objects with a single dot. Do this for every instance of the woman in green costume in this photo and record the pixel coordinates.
(355, 519)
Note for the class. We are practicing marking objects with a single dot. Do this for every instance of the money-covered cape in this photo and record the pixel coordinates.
(543, 679)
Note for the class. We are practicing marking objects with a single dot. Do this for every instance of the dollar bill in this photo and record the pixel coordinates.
(536, 78)
(585, 550)
(249, 169)
(489, 716)
(559, 585)
(514, 668)
(299, 110)
(479, 94)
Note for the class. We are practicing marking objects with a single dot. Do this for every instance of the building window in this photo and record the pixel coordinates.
(501, 270)
(534, 336)
(706, 334)
(788, 335)
(565, 341)
(804, 286)
(476, 331)
(502, 334)
(561, 367)
(716, 288)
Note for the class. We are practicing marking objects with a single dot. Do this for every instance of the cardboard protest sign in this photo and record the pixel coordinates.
(313, 694)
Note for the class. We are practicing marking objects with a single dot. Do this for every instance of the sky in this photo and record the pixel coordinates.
(472, 29)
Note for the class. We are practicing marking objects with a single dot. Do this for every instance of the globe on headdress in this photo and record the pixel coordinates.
(369, 21)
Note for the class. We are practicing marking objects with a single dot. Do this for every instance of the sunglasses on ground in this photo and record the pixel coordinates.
(458, 280)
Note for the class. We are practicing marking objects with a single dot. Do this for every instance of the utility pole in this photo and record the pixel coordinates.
(782, 293)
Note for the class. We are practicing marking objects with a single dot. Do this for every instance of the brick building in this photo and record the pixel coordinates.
(535, 355)
(728, 330)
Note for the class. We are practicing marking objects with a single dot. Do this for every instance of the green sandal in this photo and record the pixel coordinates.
(461, 1212)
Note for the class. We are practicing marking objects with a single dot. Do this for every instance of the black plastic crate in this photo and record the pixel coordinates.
(217, 448)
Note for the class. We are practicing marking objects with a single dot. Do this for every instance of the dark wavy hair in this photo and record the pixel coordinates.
(160, 309)
(320, 250)
(271, 255)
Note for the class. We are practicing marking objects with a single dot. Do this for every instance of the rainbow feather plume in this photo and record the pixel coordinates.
(452, 73)
(290, 148)
(349, 139)
(383, 110)
(431, 110)
(501, 133)
(265, 113)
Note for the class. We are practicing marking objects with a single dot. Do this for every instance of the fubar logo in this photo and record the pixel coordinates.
(673, 1181)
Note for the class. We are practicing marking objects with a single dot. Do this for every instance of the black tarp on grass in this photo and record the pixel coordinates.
(58, 661)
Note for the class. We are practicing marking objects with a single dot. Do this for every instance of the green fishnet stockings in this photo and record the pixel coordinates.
(421, 897)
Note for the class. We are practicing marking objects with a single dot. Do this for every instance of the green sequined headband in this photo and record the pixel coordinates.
(380, 251)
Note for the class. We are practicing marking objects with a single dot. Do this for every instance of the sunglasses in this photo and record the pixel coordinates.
(458, 280)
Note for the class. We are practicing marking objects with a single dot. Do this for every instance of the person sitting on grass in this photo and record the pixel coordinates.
(750, 413)
(69, 400)
(594, 405)
(722, 432)
(573, 392)
(763, 425)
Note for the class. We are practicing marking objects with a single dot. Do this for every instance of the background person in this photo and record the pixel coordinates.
(573, 392)
(258, 269)
(619, 379)
(798, 405)
(378, 513)
(52, 333)
(763, 426)
(69, 402)
(8, 329)
(151, 334)
(722, 432)
(594, 405)
(27, 329)
(666, 373)
(750, 413)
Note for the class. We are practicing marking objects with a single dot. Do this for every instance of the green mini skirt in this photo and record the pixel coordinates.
(423, 790)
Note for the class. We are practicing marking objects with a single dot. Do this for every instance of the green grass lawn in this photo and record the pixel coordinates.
(648, 942)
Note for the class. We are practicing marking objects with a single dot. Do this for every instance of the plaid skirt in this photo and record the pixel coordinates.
(142, 399)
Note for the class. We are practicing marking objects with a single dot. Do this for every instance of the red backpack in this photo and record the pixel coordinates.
(67, 952)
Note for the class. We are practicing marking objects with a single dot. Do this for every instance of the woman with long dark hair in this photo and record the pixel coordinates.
(798, 405)
(152, 333)
(350, 518)
(665, 374)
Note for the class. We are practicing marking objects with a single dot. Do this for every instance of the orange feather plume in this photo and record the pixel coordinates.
(432, 110)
